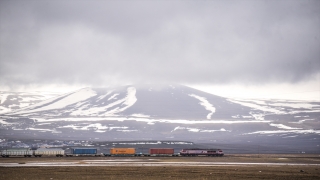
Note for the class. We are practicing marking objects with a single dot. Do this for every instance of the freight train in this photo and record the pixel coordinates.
(113, 152)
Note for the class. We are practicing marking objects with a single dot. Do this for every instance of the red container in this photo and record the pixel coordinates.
(161, 151)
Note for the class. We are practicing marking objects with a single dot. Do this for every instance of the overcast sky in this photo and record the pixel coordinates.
(211, 44)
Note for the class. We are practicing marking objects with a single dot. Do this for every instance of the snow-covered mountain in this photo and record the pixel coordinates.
(173, 102)
(150, 112)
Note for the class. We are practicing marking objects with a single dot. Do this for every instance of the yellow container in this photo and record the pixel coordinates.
(122, 151)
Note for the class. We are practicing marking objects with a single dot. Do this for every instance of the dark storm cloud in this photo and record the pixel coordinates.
(100, 42)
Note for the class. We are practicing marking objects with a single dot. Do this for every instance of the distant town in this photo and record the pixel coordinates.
(6, 143)
(34, 144)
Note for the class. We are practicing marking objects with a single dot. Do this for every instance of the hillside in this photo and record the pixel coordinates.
(161, 113)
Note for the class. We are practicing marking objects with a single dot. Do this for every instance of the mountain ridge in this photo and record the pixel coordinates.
(149, 101)
(169, 113)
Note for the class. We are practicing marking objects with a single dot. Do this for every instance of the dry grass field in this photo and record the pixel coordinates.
(306, 167)
(216, 172)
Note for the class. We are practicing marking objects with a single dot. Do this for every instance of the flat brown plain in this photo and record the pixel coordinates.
(311, 171)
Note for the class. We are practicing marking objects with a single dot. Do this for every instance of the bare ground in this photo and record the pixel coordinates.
(311, 171)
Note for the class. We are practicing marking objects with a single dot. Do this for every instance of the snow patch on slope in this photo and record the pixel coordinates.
(103, 96)
(297, 105)
(113, 96)
(258, 107)
(69, 99)
(197, 130)
(3, 97)
(307, 131)
(4, 110)
(301, 121)
(43, 130)
(281, 126)
(206, 104)
(110, 109)
(140, 115)
(148, 120)
(3, 122)
(15, 101)
(96, 126)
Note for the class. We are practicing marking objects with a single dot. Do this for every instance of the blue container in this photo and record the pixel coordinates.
(84, 151)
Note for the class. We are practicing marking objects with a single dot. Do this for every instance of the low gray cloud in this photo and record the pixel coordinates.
(211, 42)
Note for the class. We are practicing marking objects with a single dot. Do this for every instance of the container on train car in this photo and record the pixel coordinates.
(161, 151)
(83, 152)
(26, 152)
(48, 152)
(122, 151)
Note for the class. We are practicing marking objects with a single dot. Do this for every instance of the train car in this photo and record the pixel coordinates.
(83, 152)
(26, 152)
(201, 152)
(161, 152)
(123, 152)
(48, 152)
